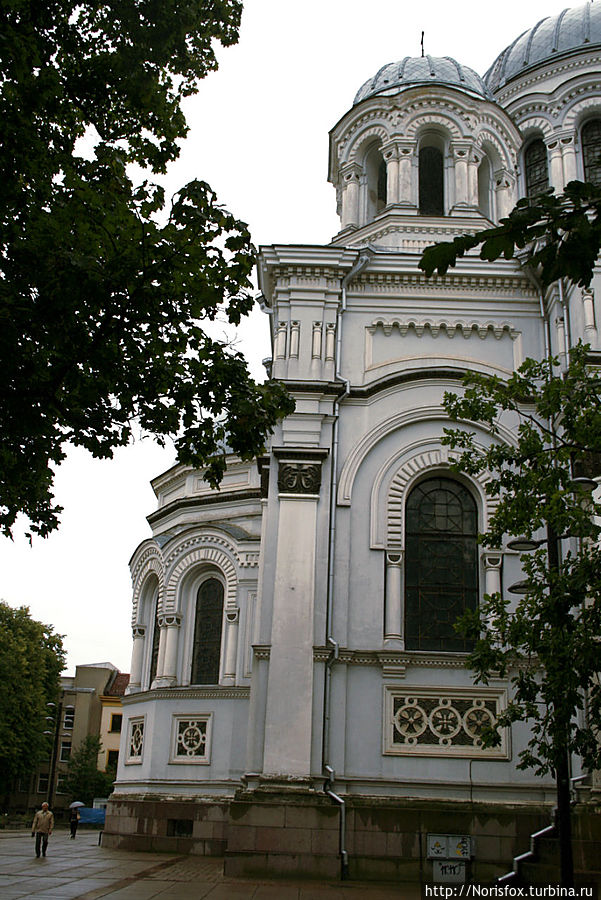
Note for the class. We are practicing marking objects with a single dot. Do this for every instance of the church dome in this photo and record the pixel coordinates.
(410, 71)
(570, 31)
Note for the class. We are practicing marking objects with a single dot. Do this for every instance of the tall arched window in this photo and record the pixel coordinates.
(441, 571)
(591, 151)
(484, 187)
(431, 182)
(156, 636)
(375, 172)
(536, 165)
(208, 623)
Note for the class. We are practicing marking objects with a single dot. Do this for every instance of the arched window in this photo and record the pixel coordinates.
(375, 172)
(484, 186)
(154, 653)
(591, 151)
(441, 571)
(537, 168)
(431, 182)
(208, 623)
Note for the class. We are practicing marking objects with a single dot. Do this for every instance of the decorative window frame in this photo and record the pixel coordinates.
(192, 719)
(132, 725)
(480, 697)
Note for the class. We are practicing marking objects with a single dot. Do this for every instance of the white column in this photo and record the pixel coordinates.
(167, 675)
(590, 325)
(407, 191)
(350, 195)
(460, 157)
(492, 571)
(137, 659)
(316, 341)
(568, 152)
(288, 719)
(556, 166)
(390, 154)
(294, 339)
(472, 179)
(162, 648)
(394, 625)
(232, 617)
(504, 193)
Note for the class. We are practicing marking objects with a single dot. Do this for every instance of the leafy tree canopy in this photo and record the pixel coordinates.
(549, 640)
(83, 780)
(561, 236)
(106, 289)
(31, 659)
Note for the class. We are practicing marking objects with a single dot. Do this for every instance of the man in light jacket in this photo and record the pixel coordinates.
(42, 825)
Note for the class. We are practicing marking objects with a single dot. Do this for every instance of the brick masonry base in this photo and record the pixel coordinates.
(291, 833)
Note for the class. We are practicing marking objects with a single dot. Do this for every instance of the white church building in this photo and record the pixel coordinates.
(297, 687)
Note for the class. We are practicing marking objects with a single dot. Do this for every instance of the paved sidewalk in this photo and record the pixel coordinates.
(81, 870)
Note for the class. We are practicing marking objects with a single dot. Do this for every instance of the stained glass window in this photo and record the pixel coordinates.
(591, 151)
(441, 571)
(207, 633)
(537, 168)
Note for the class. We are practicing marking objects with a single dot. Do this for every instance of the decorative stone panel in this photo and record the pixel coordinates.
(135, 740)
(299, 478)
(442, 721)
(191, 739)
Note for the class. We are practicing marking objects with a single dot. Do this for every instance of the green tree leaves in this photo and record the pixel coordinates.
(31, 659)
(105, 291)
(547, 642)
(561, 237)
(83, 780)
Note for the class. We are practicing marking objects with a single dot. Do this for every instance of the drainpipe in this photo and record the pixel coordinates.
(362, 260)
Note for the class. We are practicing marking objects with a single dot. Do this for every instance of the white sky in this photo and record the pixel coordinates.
(259, 135)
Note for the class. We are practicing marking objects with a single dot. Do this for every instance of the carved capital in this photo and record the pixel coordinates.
(299, 477)
(170, 619)
(138, 631)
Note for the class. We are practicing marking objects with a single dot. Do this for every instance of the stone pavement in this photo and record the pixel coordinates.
(81, 870)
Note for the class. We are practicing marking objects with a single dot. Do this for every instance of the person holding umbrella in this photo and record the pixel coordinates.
(74, 817)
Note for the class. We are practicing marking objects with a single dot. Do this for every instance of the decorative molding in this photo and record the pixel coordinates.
(299, 478)
(261, 651)
(182, 693)
(394, 423)
(191, 739)
(149, 563)
(412, 468)
(399, 659)
(449, 326)
(192, 553)
(442, 721)
(167, 620)
(215, 497)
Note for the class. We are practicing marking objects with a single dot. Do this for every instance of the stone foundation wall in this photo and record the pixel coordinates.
(262, 833)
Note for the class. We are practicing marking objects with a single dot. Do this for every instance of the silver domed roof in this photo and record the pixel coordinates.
(571, 31)
(398, 76)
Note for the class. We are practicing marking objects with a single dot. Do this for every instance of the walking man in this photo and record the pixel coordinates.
(42, 825)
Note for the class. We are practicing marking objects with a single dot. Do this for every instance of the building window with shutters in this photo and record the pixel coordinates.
(208, 625)
(441, 564)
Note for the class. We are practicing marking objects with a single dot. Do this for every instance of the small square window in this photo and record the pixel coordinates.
(61, 786)
(112, 759)
(116, 720)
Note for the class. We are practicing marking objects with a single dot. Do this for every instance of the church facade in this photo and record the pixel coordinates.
(298, 693)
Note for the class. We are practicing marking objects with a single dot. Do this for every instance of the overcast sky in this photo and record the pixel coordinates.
(259, 135)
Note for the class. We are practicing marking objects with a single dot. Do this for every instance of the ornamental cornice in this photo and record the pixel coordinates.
(261, 651)
(397, 658)
(150, 562)
(504, 94)
(451, 326)
(349, 133)
(183, 693)
(389, 282)
(580, 107)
